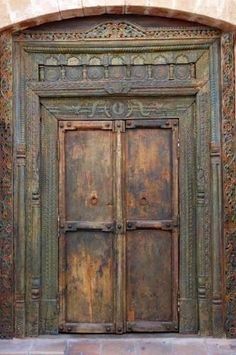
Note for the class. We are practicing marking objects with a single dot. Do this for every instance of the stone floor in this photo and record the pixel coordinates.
(118, 345)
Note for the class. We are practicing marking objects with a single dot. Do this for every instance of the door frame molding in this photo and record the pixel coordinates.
(16, 256)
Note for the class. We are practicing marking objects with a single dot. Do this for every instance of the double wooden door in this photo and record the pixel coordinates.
(118, 225)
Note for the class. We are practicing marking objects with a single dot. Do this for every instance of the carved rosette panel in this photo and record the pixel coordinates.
(6, 209)
(129, 66)
(228, 122)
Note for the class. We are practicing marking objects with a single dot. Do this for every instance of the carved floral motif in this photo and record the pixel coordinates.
(228, 122)
(120, 30)
(115, 30)
(6, 209)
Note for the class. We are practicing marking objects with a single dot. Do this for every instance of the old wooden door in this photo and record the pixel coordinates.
(105, 99)
(119, 225)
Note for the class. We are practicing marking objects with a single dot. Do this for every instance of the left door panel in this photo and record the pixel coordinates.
(86, 227)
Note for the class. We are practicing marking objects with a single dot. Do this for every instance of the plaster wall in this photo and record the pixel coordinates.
(20, 14)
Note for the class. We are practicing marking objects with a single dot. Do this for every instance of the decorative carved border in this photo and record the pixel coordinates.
(6, 188)
(120, 30)
(188, 296)
(6, 160)
(228, 130)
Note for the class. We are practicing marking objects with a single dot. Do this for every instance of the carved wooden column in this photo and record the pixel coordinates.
(20, 244)
(34, 214)
(203, 211)
(216, 195)
(188, 322)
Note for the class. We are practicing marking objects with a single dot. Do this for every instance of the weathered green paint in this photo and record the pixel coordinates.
(200, 161)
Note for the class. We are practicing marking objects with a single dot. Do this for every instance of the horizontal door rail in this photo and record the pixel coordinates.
(150, 326)
(162, 224)
(85, 125)
(155, 123)
(74, 226)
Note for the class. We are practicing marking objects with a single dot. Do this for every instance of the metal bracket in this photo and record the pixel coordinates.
(155, 123)
(119, 227)
(119, 126)
(76, 226)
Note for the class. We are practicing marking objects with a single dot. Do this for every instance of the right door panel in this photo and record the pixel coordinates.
(152, 225)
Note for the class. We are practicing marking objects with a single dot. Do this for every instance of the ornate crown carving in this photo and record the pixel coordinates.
(115, 30)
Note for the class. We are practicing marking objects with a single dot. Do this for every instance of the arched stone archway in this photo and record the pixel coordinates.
(28, 13)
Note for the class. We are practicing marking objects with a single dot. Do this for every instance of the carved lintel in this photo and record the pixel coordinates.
(117, 88)
(120, 30)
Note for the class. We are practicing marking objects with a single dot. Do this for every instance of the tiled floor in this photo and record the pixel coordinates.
(118, 345)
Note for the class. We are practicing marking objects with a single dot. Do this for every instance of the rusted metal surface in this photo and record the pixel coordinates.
(151, 206)
(87, 202)
(132, 174)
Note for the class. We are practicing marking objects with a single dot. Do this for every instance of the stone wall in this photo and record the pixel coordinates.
(26, 13)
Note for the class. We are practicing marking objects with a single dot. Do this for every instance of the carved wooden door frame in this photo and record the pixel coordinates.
(20, 298)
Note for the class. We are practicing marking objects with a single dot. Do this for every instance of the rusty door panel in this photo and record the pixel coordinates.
(149, 276)
(119, 226)
(148, 172)
(89, 277)
(152, 227)
(87, 224)
(88, 172)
